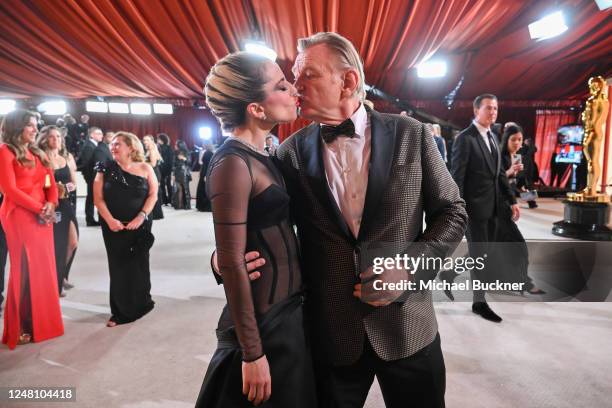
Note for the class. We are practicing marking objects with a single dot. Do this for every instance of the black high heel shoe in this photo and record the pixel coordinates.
(448, 276)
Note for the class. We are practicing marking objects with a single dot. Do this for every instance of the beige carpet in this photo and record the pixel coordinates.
(542, 355)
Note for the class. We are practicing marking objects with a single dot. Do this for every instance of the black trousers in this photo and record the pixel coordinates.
(479, 234)
(166, 188)
(89, 203)
(417, 381)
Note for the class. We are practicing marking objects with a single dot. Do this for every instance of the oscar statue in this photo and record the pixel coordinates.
(587, 213)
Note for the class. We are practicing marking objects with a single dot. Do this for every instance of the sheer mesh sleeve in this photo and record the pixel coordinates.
(229, 189)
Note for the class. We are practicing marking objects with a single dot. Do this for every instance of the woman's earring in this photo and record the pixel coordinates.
(264, 117)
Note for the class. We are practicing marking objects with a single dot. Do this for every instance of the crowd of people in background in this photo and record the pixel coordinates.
(128, 181)
(44, 159)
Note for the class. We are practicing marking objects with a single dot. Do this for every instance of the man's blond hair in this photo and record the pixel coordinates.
(344, 49)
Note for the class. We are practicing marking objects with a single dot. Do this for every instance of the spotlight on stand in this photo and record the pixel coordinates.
(205, 133)
(548, 27)
(260, 48)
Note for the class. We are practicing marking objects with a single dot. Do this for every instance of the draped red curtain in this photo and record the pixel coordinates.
(164, 49)
(547, 123)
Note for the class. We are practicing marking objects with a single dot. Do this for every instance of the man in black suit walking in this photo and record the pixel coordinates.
(167, 154)
(476, 169)
(85, 166)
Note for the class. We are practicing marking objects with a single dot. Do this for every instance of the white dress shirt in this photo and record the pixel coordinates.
(347, 162)
(483, 132)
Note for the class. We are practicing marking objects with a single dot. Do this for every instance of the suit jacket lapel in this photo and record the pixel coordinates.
(381, 160)
(311, 151)
(484, 149)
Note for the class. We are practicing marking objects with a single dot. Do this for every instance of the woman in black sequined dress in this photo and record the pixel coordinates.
(125, 192)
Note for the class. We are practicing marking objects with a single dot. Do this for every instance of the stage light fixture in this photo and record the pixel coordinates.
(548, 27)
(205, 133)
(55, 107)
(139, 108)
(118, 107)
(95, 106)
(163, 108)
(604, 4)
(432, 69)
(260, 48)
(7, 105)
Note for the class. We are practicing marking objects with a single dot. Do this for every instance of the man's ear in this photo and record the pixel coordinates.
(255, 110)
(350, 82)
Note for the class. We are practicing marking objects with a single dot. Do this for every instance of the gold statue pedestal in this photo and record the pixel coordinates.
(585, 217)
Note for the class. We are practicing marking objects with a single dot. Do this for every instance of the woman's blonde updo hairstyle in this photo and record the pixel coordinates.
(233, 83)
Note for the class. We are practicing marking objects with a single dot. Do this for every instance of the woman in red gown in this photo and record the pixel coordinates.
(32, 311)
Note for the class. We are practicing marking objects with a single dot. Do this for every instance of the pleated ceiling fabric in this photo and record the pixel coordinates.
(164, 48)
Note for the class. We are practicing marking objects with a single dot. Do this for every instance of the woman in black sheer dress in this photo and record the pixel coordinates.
(262, 354)
(65, 228)
(125, 192)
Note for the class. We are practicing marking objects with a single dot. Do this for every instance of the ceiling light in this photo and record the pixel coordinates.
(52, 107)
(550, 26)
(118, 107)
(138, 108)
(95, 106)
(259, 48)
(163, 108)
(432, 69)
(604, 4)
(7, 105)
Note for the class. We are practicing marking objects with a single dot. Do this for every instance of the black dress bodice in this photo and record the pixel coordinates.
(251, 213)
(124, 193)
(62, 175)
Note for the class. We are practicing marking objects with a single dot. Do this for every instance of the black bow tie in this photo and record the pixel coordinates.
(330, 133)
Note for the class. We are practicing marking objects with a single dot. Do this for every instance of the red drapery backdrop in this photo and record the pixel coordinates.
(164, 49)
(547, 122)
